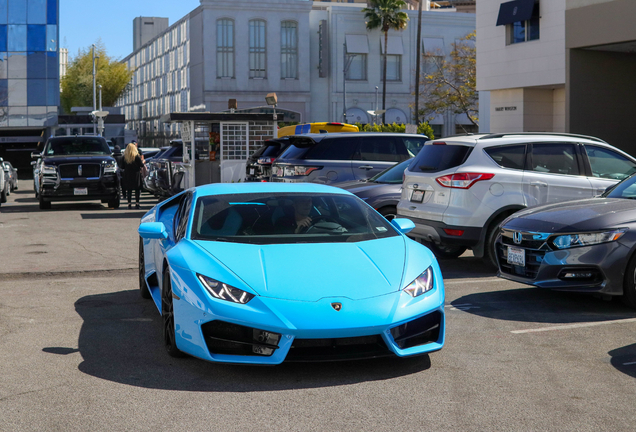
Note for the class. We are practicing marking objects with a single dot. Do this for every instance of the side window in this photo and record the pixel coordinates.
(341, 148)
(381, 148)
(512, 156)
(181, 218)
(554, 158)
(608, 164)
(414, 145)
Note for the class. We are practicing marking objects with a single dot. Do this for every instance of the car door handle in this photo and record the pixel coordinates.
(365, 167)
(538, 183)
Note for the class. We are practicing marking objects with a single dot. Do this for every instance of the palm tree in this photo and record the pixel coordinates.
(385, 15)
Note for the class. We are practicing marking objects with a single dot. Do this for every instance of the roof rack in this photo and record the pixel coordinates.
(500, 135)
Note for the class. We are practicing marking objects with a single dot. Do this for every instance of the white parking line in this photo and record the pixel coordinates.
(630, 363)
(471, 281)
(572, 326)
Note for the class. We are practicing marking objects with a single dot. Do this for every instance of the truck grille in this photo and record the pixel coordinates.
(73, 171)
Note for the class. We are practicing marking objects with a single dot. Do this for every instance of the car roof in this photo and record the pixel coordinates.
(489, 139)
(319, 137)
(267, 187)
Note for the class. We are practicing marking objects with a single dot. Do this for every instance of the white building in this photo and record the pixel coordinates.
(558, 66)
(245, 49)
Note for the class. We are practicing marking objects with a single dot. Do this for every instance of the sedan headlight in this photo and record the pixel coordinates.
(224, 291)
(48, 169)
(110, 168)
(587, 239)
(422, 284)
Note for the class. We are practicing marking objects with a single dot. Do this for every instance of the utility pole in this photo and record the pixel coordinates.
(418, 63)
(375, 117)
(94, 89)
(346, 62)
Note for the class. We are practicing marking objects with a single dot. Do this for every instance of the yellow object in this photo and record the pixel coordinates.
(316, 128)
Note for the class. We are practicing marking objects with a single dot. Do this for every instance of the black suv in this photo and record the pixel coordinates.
(259, 164)
(77, 168)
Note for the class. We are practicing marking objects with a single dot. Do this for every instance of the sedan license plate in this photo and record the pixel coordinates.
(80, 191)
(516, 256)
(417, 196)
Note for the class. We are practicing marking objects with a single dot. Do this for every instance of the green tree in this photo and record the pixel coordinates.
(385, 15)
(449, 84)
(77, 84)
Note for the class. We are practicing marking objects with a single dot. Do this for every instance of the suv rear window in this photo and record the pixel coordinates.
(435, 158)
(341, 148)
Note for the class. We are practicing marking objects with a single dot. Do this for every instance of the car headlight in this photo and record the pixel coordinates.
(48, 169)
(224, 291)
(587, 239)
(422, 284)
(110, 168)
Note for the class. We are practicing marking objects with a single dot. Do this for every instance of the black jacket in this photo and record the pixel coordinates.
(131, 178)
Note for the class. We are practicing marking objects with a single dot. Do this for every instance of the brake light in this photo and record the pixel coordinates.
(462, 180)
(454, 232)
(335, 124)
(439, 143)
(305, 170)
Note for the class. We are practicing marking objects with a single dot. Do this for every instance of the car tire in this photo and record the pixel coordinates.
(44, 204)
(143, 286)
(389, 212)
(3, 195)
(167, 317)
(629, 285)
(445, 251)
(490, 253)
(115, 202)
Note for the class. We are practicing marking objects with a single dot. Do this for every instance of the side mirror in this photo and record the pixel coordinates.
(403, 225)
(36, 155)
(33, 163)
(152, 230)
(6, 169)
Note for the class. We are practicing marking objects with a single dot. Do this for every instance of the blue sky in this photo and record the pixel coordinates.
(112, 21)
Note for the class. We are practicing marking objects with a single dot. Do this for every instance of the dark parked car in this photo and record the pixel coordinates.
(586, 245)
(382, 191)
(76, 168)
(166, 171)
(12, 174)
(339, 157)
(259, 164)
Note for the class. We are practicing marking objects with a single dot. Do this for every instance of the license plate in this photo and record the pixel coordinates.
(516, 256)
(417, 196)
(80, 191)
(251, 171)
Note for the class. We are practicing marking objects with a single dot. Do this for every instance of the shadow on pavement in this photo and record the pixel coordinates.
(542, 306)
(465, 267)
(127, 214)
(121, 341)
(624, 359)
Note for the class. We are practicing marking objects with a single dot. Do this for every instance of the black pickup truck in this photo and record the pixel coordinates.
(77, 168)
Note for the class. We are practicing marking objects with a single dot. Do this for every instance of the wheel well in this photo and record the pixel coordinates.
(478, 250)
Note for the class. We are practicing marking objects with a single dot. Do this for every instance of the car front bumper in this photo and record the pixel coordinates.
(66, 190)
(596, 269)
(394, 324)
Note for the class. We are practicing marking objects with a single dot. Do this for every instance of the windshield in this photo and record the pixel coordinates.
(625, 189)
(76, 146)
(287, 218)
(393, 175)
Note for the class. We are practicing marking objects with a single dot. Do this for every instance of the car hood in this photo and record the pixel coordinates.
(310, 272)
(580, 215)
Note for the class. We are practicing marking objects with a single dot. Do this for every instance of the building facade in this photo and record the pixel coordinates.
(558, 66)
(29, 75)
(245, 49)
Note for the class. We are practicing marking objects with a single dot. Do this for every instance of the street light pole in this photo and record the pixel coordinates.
(346, 62)
(94, 86)
(418, 61)
(375, 117)
(100, 121)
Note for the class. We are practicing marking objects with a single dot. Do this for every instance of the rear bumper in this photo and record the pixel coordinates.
(433, 231)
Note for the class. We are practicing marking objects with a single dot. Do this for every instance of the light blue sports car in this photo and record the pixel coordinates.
(261, 273)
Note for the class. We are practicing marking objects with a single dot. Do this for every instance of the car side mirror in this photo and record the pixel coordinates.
(403, 225)
(6, 169)
(152, 230)
(36, 155)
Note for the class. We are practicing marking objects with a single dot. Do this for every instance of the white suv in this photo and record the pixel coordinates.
(458, 190)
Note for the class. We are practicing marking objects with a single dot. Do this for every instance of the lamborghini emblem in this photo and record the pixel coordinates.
(336, 306)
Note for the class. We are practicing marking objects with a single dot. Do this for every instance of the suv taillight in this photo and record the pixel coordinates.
(462, 180)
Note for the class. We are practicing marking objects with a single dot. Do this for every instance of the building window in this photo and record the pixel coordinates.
(289, 50)
(524, 30)
(258, 58)
(393, 67)
(225, 48)
(358, 68)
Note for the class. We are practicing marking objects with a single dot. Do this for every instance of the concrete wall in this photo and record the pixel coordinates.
(612, 22)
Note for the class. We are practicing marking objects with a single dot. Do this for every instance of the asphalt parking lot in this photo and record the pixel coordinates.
(80, 350)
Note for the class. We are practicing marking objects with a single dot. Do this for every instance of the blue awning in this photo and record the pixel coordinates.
(513, 11)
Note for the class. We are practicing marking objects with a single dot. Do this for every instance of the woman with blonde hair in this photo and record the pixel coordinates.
(132, 173)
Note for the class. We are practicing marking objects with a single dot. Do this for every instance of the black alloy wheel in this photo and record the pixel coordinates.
(114, 203)
(3, 194)
(167, 315)
(389, 212)
(143, 287)
(629, 285)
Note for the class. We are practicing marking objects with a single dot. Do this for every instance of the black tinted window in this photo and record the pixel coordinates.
(381, 148)
(435, 158)
(508, 156)
(271, 150)
(555, 158)
(341, 148)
